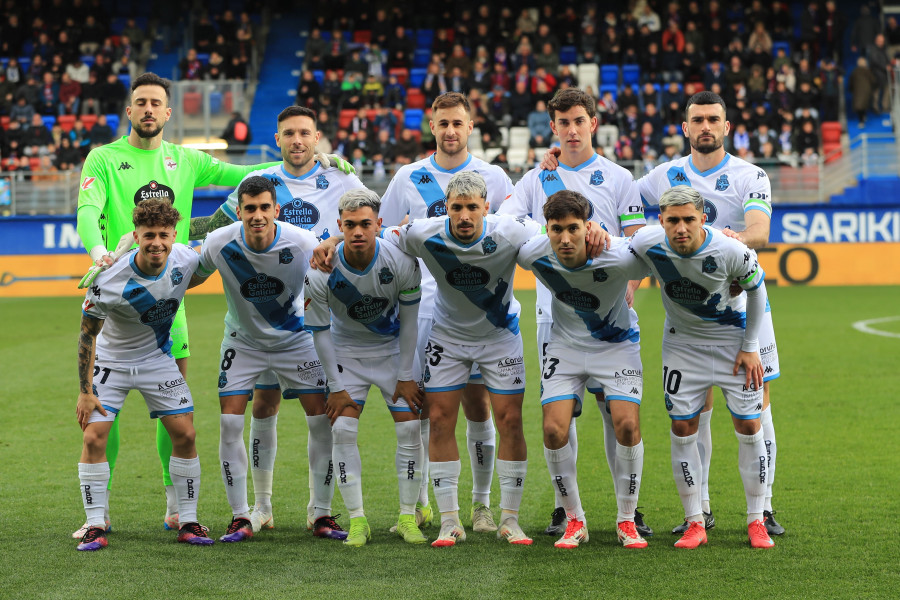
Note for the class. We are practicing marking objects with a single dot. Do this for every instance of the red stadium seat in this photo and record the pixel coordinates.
(193, 101)
(35, 163)
(417, 133)
(89, 120)
(401, 73)
(831, 132)
(831, 151)
(66, 122)
(415, 98)
(362, 37)
(4, 122)
(346, 117)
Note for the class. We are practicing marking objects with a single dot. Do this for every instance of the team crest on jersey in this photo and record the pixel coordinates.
(223, 380)
(285, 257)
(321, 182)
(597, 178)
(600, 275)
(170, 163)
(722, 183)
(385, 276)
(709, 265)
(489, 245)
(177, 276)
(88, 183)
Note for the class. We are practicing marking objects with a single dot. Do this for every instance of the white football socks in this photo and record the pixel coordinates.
(347, 463)
(409, 473)
(233, 460)
(263, 448)
(480, 440)
(93, 479)
(185, 474)
(320, 467)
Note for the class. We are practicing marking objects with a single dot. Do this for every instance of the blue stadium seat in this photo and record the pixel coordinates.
(113, 121)
(412, 118)
(786, 46)
(215, 102)
(417, 77)
(49, 121)
(424, 39)
(203, 57)
(319, 75)
(421, 58)
(609, 75)
(631, 74)
(609, 87)
(125, 78)
(568, 55)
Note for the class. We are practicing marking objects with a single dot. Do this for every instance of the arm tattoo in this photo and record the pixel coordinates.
(90, 327)
(200, 226)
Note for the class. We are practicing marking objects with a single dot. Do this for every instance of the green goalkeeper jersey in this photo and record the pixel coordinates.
(117, 176)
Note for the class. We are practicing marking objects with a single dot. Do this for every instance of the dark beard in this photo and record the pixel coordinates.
(142, 133)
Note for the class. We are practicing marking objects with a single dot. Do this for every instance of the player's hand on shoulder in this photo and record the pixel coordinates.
(323, 255)
(596, 239)
(550, 161)
(333, 160)
(87, 403)
(107, 260)
(337, 403)
(411, 393)
(728, 232)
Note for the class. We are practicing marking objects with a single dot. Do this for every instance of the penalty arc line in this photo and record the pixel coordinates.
(865, 326)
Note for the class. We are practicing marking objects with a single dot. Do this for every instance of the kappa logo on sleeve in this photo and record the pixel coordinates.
(87, 183)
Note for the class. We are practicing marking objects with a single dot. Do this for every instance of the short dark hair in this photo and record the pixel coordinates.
(149, 78)
(155, 212)
(705, 97)
(297, 111)
(569, 98)
(451, 100)
(253, 187)
(566, 203)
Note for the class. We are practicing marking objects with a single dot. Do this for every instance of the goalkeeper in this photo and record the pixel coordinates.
(115, 178)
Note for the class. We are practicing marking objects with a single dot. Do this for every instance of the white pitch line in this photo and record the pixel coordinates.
(864, 326)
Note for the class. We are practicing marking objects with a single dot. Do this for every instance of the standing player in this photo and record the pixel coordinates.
(363, 318)
(137, 300)
(738, 200)
(418, 191)
(614, 202)
(595, 341)
(263, 265)
(705, 329)
(307, 194)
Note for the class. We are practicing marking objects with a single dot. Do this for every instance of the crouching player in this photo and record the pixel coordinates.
(595, 341)
(708, 340)
(363, 318)
(263, 263)
(136, 299)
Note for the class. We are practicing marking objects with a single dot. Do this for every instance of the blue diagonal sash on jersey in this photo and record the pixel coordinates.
(600, 327)
(428, 188)
(708, 311)
(274, 313)
(552, 184)
(141, 301)
(496, 311)
(348, 295)
(677, 176)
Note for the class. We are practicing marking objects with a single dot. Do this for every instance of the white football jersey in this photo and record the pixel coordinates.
(417, 190)
(588, 302)
(309, 201)
(695, 288)
(361, 307)
(730, 189)
(474, 302)
(138, 309)
(610, 189)
(264, 290)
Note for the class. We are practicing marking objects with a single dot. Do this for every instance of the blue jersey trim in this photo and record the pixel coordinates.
(446, 388)
(399, 409)
(578, 167)
(624, 399)
(685, 417)
(709, 171)
(771, 377)
(114, 411)
(340, 253)
(316, 327)
(155, 414)
(291, 394)
(474, 376)
(315, 168)
(138, 271)
(765, 211)
(461, 167)
(409, 302)
(236, 393)
(266, 386)
(267, 248)
(457, 241)
(698, 250)
(505, 392)
(749, 417)
(558, 398)
(598, 390)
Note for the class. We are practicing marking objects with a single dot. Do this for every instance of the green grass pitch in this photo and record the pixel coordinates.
(836, 415)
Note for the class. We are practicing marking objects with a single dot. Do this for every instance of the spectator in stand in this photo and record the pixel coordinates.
(375, 61)
(627, 98)
(386, 120)
(862, 86)
(673, 35)
(611, 47)
(22, 111)
(65, 47)
(829, 76)
(458, 59)
(623, 149)
(588, 44)
(101, 67)
(204, 33)
(879, 63)
(673, 136)
(113, 93)
(360, 150)
(7, 94)
(498, 106)
(381, 28)
(892, 36)
(308, 91)
(69, 95)
(548, 58)
(543, 84)
(807, 144)
(520, 103)
(90, 95)
(673, 100)
(101, 132)
(139, 39)
(649, 95)
(865, 29)
(81, 138)
(539, 125)
(400, 50)
(607, 109)
(407, 149)
(237, 134)
(808, 98)
(394, 93)
(48, 98)
(78, 71)
(67, 156)
(37, 138)
(337, 51)
(525, 24)
(481, 79)
(434, 84)
(355, 63)
(372, 92)
(566, 78)
(215, 70)
(361, 122)
(331, 88)
(316, 50)
(382, 153)
(236, 68)
(43, 47)
(523, 56)
(13, 71)
(500, 77)
(759, 138)
(36, 69)
(351, 91)
(760, 37)
(14, 36)
(630, 122)
(740, 141)
(245, 42)
(191, 67)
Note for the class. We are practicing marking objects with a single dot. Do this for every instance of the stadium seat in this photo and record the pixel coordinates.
(475, 140)
(519, 137)
(831, 152)
(786, 46)
(424, 38)
(215, 102)
(35, 163)
(345, 117)
(319, 76)
(415, 98)
(568, 55)
(193, 101)
(228, 101)
(4, 122)
(66, 122)
(125, 78)
(607, 135)
(112, 120)
(611, 88)
(609, 75)
(89, 120)
(504, 137)
(401, 73)
(589, 76)
(416, 133)
(631, 74)
(412, 118)
(421, 58)
(417, 77)
(363, 36)
(831, 132)
(49, 121)
(517, 157)
(491, 153)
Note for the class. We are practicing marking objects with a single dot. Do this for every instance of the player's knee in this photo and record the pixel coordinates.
(94, 442)
(684, 428)
(510, 421)
(556, 435)
(628, 430)
(183, 440)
